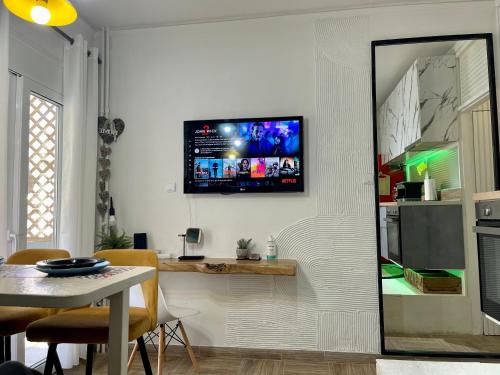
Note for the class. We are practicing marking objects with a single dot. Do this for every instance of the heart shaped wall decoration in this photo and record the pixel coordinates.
(104, 163)
(105, 174)
(110, 130)
(105, 130)
(102, 208)
(105, 151)
(104, 195)
(119, 125)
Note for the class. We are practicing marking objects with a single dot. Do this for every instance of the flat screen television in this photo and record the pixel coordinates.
(244, 155)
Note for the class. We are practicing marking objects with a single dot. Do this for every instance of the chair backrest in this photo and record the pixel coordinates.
(131, 257)
(31, 256)
(137, 300)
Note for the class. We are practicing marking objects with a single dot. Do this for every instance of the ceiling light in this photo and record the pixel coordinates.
(39, 13)
(44, 12)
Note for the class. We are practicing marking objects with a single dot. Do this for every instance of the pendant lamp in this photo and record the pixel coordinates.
(43, 12)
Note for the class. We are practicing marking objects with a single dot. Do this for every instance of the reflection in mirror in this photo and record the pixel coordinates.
(436, 148)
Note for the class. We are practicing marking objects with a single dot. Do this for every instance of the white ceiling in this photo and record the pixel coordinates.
(124, 14)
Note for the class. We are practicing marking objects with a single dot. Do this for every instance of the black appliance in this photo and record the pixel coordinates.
(408, 191)
(140, 241)
(244, 155)
(393, 234)
(488, 240)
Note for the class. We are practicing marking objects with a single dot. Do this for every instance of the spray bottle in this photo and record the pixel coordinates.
(271, 248)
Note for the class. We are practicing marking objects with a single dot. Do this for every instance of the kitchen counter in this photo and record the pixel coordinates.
(424, 203)
(486, 196)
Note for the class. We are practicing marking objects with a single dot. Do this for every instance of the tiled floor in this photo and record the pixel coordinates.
(233, 361)
(176, 365)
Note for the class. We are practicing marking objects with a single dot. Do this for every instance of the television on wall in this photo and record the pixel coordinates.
(244, 155)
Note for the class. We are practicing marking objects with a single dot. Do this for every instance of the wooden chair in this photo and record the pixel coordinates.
(14, 320)
(90, 325)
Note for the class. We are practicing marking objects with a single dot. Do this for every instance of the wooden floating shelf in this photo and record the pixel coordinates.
(278, 267)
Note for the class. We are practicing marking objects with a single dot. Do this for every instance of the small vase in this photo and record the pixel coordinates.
(241, 253)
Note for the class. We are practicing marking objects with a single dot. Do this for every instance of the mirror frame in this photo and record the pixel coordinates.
(488, 38)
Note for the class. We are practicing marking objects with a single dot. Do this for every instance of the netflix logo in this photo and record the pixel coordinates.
(289, 181)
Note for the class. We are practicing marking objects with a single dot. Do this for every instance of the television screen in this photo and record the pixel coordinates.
(244, 155)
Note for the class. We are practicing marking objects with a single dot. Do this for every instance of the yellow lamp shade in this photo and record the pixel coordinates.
(45, 12)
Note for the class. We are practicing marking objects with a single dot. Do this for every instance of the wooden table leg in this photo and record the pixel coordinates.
(118, 333)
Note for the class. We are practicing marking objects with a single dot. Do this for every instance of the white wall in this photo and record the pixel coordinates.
(312, 65)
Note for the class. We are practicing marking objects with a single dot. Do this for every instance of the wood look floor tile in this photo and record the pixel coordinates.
(350, 357)
(291, 367)
(352, 369)
(261, 367)
(309, 364)
(207, 351)
(300, 355)
(223, 366)
(260, 354)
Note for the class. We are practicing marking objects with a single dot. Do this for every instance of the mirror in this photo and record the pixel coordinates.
(435, 121)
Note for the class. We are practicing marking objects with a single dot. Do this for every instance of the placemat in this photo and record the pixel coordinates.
(18, 271)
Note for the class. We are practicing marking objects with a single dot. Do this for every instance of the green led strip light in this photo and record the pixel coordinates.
(424, 157)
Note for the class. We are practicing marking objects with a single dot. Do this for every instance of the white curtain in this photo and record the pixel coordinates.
(4, 105)
(79, 160)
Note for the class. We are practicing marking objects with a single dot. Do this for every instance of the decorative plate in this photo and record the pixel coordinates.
(66, 263)
(74, 271)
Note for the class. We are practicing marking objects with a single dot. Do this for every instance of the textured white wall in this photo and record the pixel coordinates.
(313, 65)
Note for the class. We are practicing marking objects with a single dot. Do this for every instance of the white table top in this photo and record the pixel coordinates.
(25, 286)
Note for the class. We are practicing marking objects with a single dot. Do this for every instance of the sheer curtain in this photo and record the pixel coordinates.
(4, 101)
(79, 160)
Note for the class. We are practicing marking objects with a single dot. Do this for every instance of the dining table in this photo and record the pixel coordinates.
(26, 286)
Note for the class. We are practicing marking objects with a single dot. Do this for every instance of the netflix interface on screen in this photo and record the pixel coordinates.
(243, 156)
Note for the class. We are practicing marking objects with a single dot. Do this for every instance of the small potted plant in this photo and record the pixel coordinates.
(112, 240)
(243, 249)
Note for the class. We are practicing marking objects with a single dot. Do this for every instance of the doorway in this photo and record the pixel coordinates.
(35, 116)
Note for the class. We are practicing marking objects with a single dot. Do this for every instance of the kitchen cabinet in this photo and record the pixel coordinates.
(421, 111)
(432, 236)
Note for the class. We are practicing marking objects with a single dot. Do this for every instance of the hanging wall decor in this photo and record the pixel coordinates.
(109, 131)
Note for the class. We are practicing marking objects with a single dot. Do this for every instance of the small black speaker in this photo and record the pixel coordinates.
(140, 241)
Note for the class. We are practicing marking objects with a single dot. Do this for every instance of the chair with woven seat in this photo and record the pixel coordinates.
(90, 325)
(13, 319)
(167, 314)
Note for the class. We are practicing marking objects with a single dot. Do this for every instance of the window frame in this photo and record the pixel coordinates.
(29, 87)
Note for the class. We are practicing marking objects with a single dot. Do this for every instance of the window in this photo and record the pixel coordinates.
(43, 117)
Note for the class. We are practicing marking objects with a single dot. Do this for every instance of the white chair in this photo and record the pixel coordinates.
(166, 315)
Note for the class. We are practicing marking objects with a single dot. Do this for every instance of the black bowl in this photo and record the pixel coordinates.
(66, 263)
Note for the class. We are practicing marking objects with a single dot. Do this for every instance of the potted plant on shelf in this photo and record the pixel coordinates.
(243, 249)
(112, 240)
